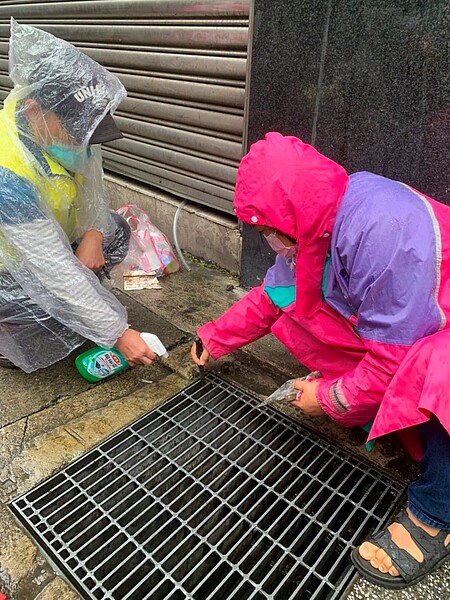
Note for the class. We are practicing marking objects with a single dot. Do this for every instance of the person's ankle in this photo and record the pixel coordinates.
(428, 528)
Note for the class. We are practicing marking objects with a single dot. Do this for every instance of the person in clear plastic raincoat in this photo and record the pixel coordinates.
(58, 237)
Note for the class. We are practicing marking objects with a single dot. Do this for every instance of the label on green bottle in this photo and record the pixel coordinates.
(103, 364)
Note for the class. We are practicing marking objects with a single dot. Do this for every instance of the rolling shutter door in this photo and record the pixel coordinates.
(183, 64)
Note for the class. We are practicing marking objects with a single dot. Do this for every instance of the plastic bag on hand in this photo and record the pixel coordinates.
(150, 250)
(287, 392)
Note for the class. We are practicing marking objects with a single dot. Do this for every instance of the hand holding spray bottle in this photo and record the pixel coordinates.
(98, 363)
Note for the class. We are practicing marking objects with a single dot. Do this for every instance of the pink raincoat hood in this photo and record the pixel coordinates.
(286, 184)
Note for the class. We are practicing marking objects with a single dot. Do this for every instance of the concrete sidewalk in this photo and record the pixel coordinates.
(52, 417)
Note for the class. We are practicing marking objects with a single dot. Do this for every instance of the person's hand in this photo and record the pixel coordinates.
(90, 250)
(306, 401)
(134, 349)
(204, 357)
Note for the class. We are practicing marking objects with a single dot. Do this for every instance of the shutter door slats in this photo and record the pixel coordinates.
(225, 67)
(194, 143)
(181, 116)
(200, 93)
(154, 36)
(176, 159)
(163, 178)
(183, 63)
(137, 9)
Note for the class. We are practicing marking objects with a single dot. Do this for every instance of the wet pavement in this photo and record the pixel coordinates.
(51, 417)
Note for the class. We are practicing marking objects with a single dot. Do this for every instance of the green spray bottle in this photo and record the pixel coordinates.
(98, 363)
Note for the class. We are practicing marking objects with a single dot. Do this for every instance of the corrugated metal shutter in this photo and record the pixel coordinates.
(183, 63)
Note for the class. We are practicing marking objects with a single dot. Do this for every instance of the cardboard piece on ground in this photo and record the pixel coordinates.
(140, 280)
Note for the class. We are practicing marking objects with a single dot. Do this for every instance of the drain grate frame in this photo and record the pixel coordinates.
(207, 497)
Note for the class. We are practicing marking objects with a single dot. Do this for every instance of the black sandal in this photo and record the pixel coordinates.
(433, 549)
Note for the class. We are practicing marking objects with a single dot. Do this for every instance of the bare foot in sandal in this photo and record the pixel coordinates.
(380, 560)
(403, 553)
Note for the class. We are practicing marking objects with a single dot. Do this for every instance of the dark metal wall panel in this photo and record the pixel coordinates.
(183, 63)
(367, 84)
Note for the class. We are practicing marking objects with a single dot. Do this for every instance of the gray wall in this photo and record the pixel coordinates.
(367, 82)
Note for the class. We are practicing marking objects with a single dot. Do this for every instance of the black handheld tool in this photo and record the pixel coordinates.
(198, 352)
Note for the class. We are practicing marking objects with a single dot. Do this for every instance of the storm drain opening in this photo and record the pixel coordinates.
(209, 496)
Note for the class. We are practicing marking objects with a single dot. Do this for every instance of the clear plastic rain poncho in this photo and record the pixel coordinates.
(51, 193)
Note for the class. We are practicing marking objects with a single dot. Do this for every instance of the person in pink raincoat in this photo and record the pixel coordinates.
(360, 291)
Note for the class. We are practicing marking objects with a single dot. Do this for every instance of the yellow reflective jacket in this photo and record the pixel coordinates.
(56, 188)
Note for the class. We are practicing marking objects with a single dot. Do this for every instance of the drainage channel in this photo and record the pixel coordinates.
(209, 497)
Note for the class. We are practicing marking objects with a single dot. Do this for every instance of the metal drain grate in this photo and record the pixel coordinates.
(209, 497)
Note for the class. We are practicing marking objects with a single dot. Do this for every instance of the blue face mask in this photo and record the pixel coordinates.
(71, 158)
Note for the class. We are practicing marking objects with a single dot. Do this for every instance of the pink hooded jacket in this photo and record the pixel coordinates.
(370, 288)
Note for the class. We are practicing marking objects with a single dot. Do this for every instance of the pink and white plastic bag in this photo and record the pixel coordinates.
(150, 250)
